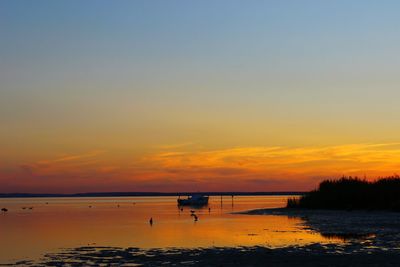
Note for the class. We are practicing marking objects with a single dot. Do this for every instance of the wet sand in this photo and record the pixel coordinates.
(371, 239)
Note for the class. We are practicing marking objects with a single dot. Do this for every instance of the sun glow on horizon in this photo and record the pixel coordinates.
(172, 168)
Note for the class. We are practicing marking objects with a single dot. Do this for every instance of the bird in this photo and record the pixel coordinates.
(196, 218)
(151, 221)
(4, 210)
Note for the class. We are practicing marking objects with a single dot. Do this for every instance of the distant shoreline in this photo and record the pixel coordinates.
(146, 194)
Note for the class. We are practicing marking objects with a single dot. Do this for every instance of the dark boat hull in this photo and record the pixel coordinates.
(193, 202)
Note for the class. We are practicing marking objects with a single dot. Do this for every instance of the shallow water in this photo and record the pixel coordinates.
(56, 223)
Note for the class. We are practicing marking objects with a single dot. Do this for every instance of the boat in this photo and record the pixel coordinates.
(193, 200)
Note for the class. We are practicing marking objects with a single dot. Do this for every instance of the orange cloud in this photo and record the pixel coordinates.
(64, 163)
(184, 168)
(290, 165)
(256, 158)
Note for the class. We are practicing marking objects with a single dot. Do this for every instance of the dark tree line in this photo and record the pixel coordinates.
(350, 193)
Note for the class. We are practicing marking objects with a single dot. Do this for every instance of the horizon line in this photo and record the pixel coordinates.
(127, 194)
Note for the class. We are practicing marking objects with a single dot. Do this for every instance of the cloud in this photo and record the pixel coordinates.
(71, 158)
(91, 154)
(291, 163)
(64, 164)
(180, 168)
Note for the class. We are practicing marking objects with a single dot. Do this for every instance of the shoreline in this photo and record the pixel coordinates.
(370, 229)
(339, 221)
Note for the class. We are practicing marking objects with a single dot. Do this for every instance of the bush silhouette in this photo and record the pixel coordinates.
(350, 193)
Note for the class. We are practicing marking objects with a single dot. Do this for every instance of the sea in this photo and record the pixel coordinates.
(33, 227)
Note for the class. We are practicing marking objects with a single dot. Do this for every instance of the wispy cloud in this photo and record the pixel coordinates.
(297, 162)
(183, 168)
(67, 163)
(79, 156)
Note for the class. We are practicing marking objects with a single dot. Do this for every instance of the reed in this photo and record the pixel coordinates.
(350, 193)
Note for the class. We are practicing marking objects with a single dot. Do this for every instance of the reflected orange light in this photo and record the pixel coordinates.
(69, 223)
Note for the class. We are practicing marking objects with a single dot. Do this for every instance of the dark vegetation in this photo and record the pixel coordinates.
(350, 193)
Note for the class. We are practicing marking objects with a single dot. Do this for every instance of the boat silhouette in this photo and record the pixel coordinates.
(193, 200)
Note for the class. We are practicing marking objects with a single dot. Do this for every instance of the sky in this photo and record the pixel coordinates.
(170, 96)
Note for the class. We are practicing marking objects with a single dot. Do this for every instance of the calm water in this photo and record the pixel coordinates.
(56, 223)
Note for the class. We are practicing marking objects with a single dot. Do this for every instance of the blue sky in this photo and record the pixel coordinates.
(129, 76)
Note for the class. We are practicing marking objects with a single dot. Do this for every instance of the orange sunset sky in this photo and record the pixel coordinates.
(196, 96)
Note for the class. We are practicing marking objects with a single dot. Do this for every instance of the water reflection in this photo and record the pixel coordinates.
(124, 222)
(348, 236)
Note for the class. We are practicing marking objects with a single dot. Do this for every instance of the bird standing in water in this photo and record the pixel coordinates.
(151, 221)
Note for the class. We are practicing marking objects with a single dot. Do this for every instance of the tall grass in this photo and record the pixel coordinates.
(350, 193)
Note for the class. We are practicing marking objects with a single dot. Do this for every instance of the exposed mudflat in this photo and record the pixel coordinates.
(369, 228)
(311, 255)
